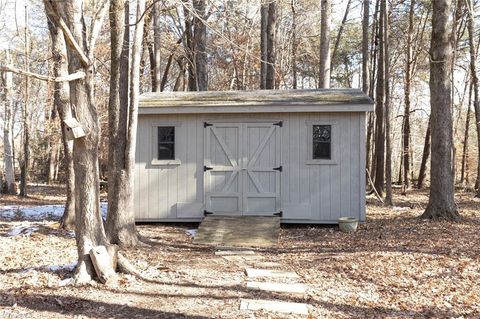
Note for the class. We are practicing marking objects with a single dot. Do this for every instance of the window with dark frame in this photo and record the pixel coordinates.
(322, 138)
(166, 143)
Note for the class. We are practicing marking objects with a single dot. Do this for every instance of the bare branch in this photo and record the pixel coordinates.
(71, 77)
(97, 22)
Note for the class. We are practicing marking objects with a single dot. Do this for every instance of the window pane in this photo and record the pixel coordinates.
(166, 134)
(166, 151)
(321, 150)
(322, 133)
(166, 142)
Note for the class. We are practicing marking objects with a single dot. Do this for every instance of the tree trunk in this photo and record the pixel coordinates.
(379, 105)
(200, 39)
(441, 203)
(190, 49)
(263, 44)
(25, 165)
(157, 25)
(294, 44)
(426, 154)
(271, 30)
(8, 132)
(406, 115)
(324, 73)
(464, 180)
(340, 32)
(365, 75)
(61, 100)
(120, 224)
(388, 155)
(474, 75)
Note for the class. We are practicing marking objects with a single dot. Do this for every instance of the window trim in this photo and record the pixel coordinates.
(334, 143)
(154, 144)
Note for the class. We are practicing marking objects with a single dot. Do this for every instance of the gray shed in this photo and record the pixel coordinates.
(296, 153)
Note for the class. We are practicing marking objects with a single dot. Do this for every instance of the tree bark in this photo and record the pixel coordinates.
(263, 44)
(365, 54)
(190, 49)
(157, 25)
(441, 203)
(25, 165)
(324, 73)
(426, 154)
(120, 224)
(388, 155)
(61, 100)
(271, 30)
(8, 132)
(200, 39)
(379, 107)
(464, 178)
(294, 44)
(407, 87)
(474, 76)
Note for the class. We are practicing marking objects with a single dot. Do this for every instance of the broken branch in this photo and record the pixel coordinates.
(71, 77)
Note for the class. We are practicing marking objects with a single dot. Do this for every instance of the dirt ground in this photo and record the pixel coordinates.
(394, 266)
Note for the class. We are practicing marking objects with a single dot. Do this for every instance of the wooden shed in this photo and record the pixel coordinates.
(299, 154)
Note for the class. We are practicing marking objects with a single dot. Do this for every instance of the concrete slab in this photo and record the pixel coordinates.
(277, 287)
(275, 306)
(238, 231)
(246, 258)
(253, 273)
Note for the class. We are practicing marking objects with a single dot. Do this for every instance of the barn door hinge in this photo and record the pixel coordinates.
(205, 213)
(280, 168)
(205, 124)
(206, 168)
(279, 214)
(279, 123)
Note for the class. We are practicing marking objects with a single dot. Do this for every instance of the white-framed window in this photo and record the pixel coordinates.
(165, 144)
(323, 142)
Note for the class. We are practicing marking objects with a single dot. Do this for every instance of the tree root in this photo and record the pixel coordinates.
(126, 267)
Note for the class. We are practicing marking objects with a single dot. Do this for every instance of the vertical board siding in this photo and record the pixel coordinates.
(329, 190)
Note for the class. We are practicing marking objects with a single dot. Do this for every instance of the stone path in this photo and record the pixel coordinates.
(268, 277)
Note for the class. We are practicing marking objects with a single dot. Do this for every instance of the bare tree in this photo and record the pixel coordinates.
(388, 155)
(426, 153)
(7, 78)
(263, 44)
(156, 87)
(25, 164)
(441, 203)
(61, 100)
(200, 45)
(324, 73)
(365, 54)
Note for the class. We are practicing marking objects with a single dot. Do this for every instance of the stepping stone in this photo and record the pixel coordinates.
(252, 272)
(246, 258)
(267, 264)
(276, 306)
(277, 287)
(234, 252)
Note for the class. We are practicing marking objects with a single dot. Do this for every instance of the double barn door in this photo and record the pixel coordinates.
(242, 168)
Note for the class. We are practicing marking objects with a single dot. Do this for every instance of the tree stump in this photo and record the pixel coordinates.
(104, 261)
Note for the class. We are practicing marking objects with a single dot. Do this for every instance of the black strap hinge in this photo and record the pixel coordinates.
(279, 123)
(205, 213)
(278, 168)
(279, 214)
(206, 168)
(205, 124)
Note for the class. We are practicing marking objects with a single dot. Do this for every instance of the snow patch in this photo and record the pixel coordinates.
(191, 232)
(40, 212)
(68, 267)
(22, 230)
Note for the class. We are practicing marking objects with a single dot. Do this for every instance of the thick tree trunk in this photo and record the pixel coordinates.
(441, 202)
(324, 73)
(379, 107)
(200, 39)
(61, 100)
(8, 132)
(121, 228)
(365, 54)
(406, 115)
(271, 30)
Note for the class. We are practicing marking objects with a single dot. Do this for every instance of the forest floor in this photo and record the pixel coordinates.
(394, 266)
